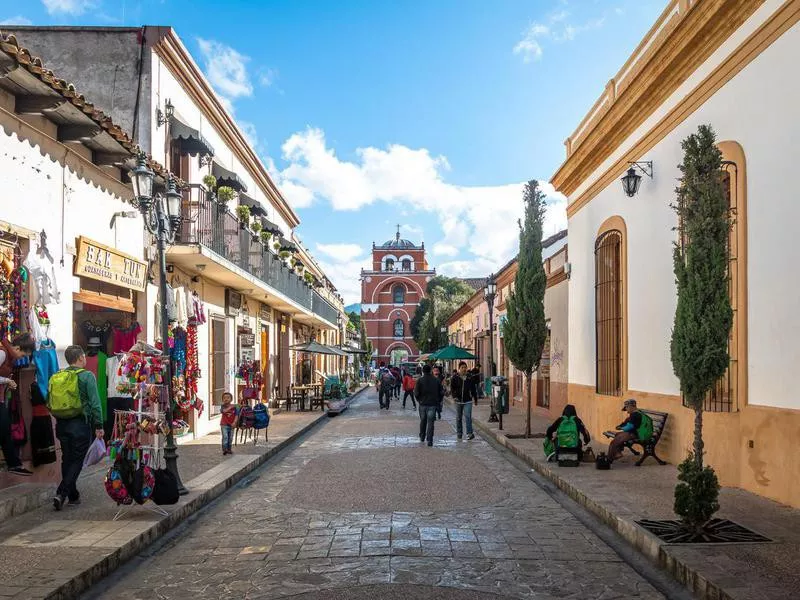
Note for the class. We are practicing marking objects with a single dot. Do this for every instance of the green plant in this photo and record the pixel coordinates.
(283, 253)
(243, 212)
(210, 182)
(697, 494)
(225, 194)
(256, 226)
(443, 296)
(276, 246)
(265, 235)
(525, 330)
(308, 277)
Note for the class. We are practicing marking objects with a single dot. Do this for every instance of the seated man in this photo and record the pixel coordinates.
(629, 430)
(566, 431)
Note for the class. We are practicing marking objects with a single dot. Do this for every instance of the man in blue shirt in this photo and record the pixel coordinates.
(626, 430)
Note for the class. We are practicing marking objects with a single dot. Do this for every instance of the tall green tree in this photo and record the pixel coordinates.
(703, 316)
(443, 296)
(525, 330)
(354, 318)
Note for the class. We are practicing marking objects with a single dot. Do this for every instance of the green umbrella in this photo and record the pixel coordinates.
(452, 352)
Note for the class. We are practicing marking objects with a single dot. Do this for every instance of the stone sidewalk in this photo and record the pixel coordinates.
(626, 494)
(48, 554)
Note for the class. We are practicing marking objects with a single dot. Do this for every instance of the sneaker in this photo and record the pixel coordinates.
(471, 436)
(430, 443)
(58, 502)
(422, 438)
(75, 502)
(20, 471)
(458, 438)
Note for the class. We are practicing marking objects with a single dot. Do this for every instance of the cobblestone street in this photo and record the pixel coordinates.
(360, 509)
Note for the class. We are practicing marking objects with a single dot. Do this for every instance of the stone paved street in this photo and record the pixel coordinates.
(360, 509)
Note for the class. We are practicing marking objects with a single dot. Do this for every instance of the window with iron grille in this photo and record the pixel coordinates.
(608, 313)
(723, 397)
(399, 328)
(399, 294)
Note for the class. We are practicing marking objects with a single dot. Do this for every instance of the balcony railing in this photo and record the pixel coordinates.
(215, 227)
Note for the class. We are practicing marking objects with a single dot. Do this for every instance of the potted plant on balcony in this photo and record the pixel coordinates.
(283, 253)
(309, 278)
(276, 246)
(224, 195)
(210, 182)
(243, 213)
(265, 236)
(256, 227)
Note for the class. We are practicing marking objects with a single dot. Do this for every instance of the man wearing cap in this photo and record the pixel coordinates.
(626, 430)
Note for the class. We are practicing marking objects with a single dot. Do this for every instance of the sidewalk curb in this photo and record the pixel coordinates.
(104, 567)
(643, 541)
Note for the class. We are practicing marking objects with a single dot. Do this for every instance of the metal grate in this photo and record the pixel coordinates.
(608, 313)
(716, 531)
(724, 397)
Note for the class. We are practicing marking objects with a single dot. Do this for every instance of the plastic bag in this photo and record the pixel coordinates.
(96, 453)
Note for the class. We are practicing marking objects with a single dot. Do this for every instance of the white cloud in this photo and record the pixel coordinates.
(17, 20)
(344, 271)
(226, 69)
(267, 77)
(341, 252)
(68, 7)
(557, 29)
(413, 231)
(480, 220)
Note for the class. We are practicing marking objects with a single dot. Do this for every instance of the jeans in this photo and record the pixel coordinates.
(463, 413)
(427, 417)
(385, 396)
(9, 449)
(409, 394)
(227, 436)
(75, 436)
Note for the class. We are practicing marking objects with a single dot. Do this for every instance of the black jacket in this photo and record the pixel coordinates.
(428, 390)
(463, 389)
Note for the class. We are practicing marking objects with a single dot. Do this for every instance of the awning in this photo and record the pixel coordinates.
(227, 178)
(287, 245)
(190, 140)
(271, 227)
(255, 207)
(316, 348)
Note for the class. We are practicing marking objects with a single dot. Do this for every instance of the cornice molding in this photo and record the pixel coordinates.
(686, 39)
(177, 59)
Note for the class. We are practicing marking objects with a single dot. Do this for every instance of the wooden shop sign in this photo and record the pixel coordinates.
(247, 340)
(102, 263)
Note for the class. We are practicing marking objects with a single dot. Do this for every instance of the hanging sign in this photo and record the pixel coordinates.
(247, 340)
(265, 313)
(109, 265)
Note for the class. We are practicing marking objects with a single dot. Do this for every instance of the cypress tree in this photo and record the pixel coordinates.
(703, 316)
(525, 329)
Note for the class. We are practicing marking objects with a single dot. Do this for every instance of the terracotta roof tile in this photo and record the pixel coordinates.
(33, 64)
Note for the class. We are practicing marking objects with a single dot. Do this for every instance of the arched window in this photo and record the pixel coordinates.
(399, 294)
(399, 328)
(406, 264)
(608, 312)
(389, 264)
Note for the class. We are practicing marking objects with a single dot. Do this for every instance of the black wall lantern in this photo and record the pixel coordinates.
(632, 180)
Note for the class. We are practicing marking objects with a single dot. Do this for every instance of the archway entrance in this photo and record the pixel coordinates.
(398, 356)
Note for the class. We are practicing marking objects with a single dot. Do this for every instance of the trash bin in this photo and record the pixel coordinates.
(500, 394)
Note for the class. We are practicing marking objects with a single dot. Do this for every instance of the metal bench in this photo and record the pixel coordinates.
(649, 446)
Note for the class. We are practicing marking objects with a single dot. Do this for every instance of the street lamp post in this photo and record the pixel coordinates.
(489, 294)
(162, 217)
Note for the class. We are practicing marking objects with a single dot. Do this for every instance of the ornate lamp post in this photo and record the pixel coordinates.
(162, 217)
(489, 294)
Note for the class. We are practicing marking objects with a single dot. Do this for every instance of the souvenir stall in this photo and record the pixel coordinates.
(137, 439)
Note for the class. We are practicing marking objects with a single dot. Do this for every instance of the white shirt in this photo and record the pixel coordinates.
(43, 276)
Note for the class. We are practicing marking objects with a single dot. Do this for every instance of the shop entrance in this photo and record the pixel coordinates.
(220, 356)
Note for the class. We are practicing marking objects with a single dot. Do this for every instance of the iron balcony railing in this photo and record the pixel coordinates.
(212, 225)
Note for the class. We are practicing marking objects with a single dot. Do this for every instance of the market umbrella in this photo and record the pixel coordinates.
(316, 348)
(452, 352)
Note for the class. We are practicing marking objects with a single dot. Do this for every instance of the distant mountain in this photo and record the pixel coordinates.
(353, 308)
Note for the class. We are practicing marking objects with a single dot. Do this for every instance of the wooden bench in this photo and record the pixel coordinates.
(649, 446)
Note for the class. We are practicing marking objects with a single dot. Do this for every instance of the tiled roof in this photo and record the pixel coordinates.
(546, 243)
(33, 65)
(476, 283)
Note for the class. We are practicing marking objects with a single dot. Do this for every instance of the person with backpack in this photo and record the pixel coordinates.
(429, 392)
(385, 386)
(227, 421)
(408, 389)
(566, 432)
(12, 354)
(464, 392)
(75, 403)
(638, 426)
(398, 381)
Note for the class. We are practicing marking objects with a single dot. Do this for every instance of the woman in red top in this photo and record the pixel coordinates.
(408, 389)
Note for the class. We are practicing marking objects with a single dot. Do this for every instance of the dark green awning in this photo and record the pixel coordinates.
(271, 227)
(189, 139)
(227, 178)
(255, 207)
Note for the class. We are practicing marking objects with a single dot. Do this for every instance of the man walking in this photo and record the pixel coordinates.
(408, 389)
(437, 373)
(428, 392)
(385, 386)
(74, 402)
(462, 388)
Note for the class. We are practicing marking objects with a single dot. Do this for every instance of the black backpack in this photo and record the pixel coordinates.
(165, 491)
(602, 462)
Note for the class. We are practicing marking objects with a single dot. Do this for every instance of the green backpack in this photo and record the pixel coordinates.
(64, 397)
(645, 431)
(567, 433)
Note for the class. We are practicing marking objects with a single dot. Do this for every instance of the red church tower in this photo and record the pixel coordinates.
(390, 294)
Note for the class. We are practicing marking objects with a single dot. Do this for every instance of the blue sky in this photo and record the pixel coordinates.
(426, 113)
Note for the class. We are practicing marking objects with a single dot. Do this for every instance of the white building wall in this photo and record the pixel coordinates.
(757, 109)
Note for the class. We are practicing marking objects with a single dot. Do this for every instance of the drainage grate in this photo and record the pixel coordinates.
(718, 531)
